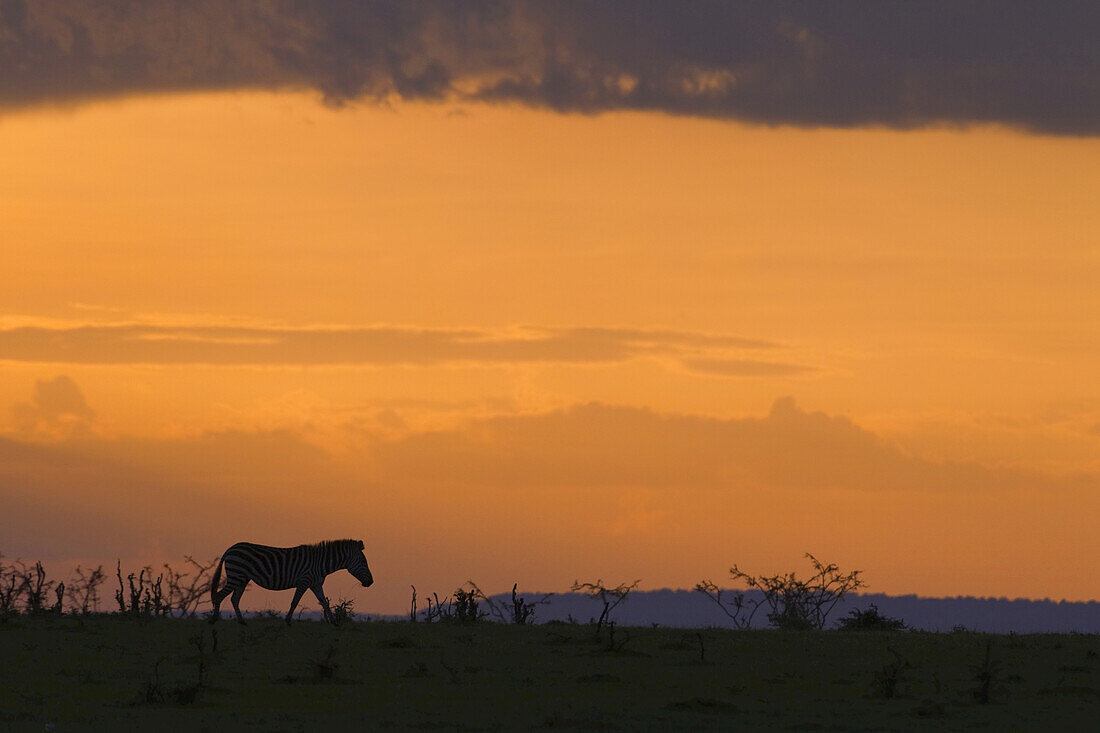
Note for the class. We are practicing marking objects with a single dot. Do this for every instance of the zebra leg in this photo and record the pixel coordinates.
(298, 593)
(236, 599)
(320, 593)
(218, 598)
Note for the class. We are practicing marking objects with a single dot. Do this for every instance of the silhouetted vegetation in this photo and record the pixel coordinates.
(792, 603)
(461, 608)
(520, 611)
(188, 590)
(104, 670)
(145, 597)
(98, 671)
(889, 676)
(342, 612)
(29, 589)
(83, 593)
(870, 620)
(326, 667)
(154, 692)
(472, 605)
(610, 598)
(987, 677)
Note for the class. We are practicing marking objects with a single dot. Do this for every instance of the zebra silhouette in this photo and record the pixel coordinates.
(281, 568)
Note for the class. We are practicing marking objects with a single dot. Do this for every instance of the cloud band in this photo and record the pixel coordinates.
(900, 64)
(374, 345)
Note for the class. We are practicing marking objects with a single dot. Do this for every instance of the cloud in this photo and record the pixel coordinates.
(744, 368)
(598, 445)
(378, 345)
(107, 497)
(58, 405)
(895, 63)
(548, 495)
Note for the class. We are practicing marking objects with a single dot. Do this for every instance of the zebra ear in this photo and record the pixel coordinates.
(361, 544)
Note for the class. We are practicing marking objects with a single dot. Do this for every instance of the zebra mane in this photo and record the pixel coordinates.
(340, 545)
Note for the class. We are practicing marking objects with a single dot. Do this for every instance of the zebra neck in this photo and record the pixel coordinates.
(331, 561)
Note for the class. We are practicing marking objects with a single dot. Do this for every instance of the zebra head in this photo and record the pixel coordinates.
(357, 565)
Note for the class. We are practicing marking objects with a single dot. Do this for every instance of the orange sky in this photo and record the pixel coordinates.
(511, 345)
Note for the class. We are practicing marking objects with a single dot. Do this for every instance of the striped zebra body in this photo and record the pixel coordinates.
(303, 568)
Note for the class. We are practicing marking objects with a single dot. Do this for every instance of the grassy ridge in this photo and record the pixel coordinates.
(109, 672)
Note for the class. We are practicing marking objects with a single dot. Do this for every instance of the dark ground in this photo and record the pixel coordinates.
(108, 672)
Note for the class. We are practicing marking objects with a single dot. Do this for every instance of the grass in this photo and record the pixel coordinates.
(110, 673)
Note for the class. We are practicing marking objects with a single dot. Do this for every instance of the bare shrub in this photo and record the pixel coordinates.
(190, 589)
(83, 590)
(792, 603)
(888, 679)
(142, 596)
(151, 691)
(988, 679)
(435, 611)
(187, 694)
(9, 590)
(609, 597)
(28, 585)
(615, 646)
(35, 586)
(736, 609)
(59, 596)
(521, 610)
(462, 608)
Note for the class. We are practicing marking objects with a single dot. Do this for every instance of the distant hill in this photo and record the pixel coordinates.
(682, 608)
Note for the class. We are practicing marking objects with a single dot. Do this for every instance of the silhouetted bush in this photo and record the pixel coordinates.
(987, 677)
(151, 691)
(435, 611)
(188, 590)
(609, 597)
(465, 608)
(888, 679)
(524, 610)
(792, 603)
(521, 610)
(870, 620)
(614, 645)
(342, 612)
(27, 588)
(83, 590)
(462, 608)
(144, 596)
(35, 587)
(9, 589)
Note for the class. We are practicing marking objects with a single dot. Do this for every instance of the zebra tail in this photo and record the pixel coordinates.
(215, 581)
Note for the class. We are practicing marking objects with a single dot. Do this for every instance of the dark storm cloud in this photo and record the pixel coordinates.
(378, 345)
(902, 64)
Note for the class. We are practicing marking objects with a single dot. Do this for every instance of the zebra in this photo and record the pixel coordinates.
(280, 568)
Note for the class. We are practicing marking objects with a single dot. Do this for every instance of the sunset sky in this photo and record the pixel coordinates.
(540, 292)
